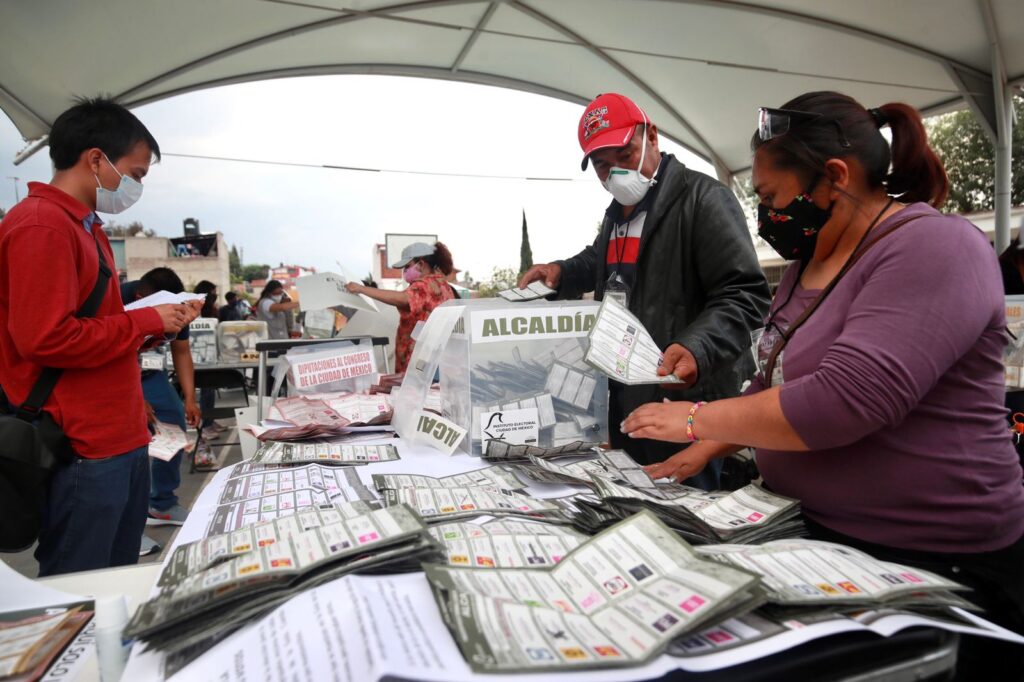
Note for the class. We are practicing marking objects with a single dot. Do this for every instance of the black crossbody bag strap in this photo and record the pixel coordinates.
(48, 378)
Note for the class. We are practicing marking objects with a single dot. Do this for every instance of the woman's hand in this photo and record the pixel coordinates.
(681, 465)
(659, 421)
(353, 287)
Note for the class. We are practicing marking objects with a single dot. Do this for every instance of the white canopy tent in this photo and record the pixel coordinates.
(699, 67)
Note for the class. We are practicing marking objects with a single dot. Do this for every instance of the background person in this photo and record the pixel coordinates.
(675, 248)
(209, 289)
(230, 311)
(49, 255)
(426, 268)
(272, 308)
(882, 411)
(167, 406)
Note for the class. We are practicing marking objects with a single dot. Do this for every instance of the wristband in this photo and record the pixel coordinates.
(689, 421)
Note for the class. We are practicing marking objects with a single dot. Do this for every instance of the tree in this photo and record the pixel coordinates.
(525, 252)
(969, 156)
(132, 229)
(235, 263)
(251, 272)
(501, 279)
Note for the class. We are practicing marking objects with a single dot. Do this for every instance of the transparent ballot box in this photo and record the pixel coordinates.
(515, 372)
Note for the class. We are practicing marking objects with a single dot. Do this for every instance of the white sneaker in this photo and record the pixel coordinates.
(149, 546)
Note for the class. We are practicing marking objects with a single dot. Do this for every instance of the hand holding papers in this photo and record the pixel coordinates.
(621, 347)
(327, 290)
(531, 292)
(168, 440)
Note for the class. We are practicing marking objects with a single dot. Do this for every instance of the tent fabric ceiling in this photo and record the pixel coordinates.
(699, 67)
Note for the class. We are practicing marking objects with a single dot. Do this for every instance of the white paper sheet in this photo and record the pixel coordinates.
(18, 593)
(164, 297)
(168, 440)
(327, 290)
(621, 347)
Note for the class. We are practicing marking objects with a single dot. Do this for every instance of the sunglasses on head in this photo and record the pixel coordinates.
(772, 123)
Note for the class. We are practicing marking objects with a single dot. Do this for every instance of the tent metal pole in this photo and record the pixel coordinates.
(1003, 104)
(1003, 168)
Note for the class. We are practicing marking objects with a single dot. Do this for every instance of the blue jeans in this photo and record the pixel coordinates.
(166, 476)
(95, 513)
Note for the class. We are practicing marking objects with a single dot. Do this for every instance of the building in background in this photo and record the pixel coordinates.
(287, 274)
(194, 256)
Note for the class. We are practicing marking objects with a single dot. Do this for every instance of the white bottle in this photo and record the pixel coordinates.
(111, 651)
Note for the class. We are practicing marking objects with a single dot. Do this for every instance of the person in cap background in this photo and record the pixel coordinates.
(426, 268)
(674, 247)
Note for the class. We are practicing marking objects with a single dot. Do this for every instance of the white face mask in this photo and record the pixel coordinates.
(277, 298)
(629, 186)
(114, 201)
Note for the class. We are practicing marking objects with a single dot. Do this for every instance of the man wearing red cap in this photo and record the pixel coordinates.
(674, 246)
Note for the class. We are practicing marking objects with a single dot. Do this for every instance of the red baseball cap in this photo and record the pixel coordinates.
(608, 121)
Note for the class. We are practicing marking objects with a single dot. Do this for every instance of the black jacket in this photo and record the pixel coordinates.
(698, 284)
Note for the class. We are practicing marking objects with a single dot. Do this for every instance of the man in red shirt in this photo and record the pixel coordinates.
(96, 507)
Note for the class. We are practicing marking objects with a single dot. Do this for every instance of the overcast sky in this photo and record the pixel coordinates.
(319, 217)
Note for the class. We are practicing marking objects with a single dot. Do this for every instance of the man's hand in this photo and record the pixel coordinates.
(192, 413)
(174, 317)
(680, 362)
(353, 287)
(681, 465)
(195, 309)
(659, 421)
(551, 273)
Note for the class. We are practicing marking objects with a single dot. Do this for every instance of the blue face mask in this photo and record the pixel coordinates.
(117, 200)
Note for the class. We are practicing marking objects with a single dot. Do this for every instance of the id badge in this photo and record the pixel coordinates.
(150, 361)
(755, 347)
(763, 343)
(617, 289)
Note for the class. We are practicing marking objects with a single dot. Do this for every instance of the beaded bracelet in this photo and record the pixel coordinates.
(689, 421)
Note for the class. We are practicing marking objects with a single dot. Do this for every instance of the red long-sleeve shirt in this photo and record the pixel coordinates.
(48, 267)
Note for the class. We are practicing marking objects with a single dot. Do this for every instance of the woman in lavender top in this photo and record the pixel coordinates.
(879, 400)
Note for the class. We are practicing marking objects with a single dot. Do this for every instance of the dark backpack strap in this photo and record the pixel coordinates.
(48, 378)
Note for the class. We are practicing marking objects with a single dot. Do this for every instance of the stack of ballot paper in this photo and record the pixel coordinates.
(505, 543)
(802, 572)
(580, 469)
(504, 451)
(745, 516)
(212, 587)
(492, 491)
(300, 418)
(254, 492)
(618, 599)
(325, 451)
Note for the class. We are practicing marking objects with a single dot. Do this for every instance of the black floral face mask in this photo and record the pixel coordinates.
(793, 229)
